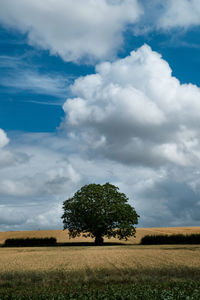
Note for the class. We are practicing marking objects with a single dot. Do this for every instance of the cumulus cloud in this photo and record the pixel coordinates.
(72, 29)
(180, 13)
(134, 111)
(88, 31)
(3, 138)
(131, 123)
(6, 157)
(168, 15)
(135, 114)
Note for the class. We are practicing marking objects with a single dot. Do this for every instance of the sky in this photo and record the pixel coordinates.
(95, 91)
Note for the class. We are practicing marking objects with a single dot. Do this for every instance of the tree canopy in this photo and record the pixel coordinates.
(97, 211)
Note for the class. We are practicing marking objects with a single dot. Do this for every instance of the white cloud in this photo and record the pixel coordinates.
(39, 183)
(132, 124)
(72, 29)
(45, 172)
(32, 81)
(139, 112)
(32, 192)
(180, 13)
(6, 157)
(21, 76)
(167, 15)
(3, 138)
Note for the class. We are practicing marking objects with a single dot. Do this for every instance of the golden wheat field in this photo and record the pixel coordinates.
(62, 235)
(97, 258)
(120, 258)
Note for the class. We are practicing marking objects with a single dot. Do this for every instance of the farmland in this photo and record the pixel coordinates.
(62, 235)
(98, 266)
(90, 259)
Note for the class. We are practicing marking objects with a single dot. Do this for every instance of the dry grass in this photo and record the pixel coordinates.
(62, 236)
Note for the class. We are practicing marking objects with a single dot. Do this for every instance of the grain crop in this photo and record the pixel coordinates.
(62, 235)
(61, 268)
(114, 259)
(95, 258)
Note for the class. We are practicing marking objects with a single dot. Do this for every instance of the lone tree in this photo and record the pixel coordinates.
(97, 211)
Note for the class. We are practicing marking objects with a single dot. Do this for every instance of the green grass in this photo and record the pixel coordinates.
(166, 284)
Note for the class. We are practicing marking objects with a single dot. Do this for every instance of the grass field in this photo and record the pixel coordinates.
(112, 266)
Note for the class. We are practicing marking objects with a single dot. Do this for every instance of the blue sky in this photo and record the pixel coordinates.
(19, 104)
(94, 92)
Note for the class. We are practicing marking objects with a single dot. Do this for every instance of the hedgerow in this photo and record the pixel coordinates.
(30, 242)
(170, 239)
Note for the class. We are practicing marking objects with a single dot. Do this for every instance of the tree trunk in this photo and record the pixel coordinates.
(98, 240)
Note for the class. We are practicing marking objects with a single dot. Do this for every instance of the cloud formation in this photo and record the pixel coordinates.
(139, 120)
(3, 139)
(134, 111)
(167, 16)
(39, 182)
(90, 31)
(72, 29)
(179, 13)
(32, 81)
(21, 76)
(131, 123)
(6, 157)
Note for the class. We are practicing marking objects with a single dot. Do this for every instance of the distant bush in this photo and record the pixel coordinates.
(30, 242)
(170, 239)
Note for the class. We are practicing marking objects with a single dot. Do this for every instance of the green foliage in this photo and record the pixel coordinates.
(30, 242)
(170, 239)
(186, 290)
(151, 284)
(99, 210)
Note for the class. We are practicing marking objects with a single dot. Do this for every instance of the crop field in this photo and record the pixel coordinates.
(99, 267)
(90, 259)
(62, 235)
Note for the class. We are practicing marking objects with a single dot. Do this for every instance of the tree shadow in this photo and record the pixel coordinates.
(69, 244)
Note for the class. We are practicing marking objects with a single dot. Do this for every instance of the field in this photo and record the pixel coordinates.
(92, 268)
(62, 235)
